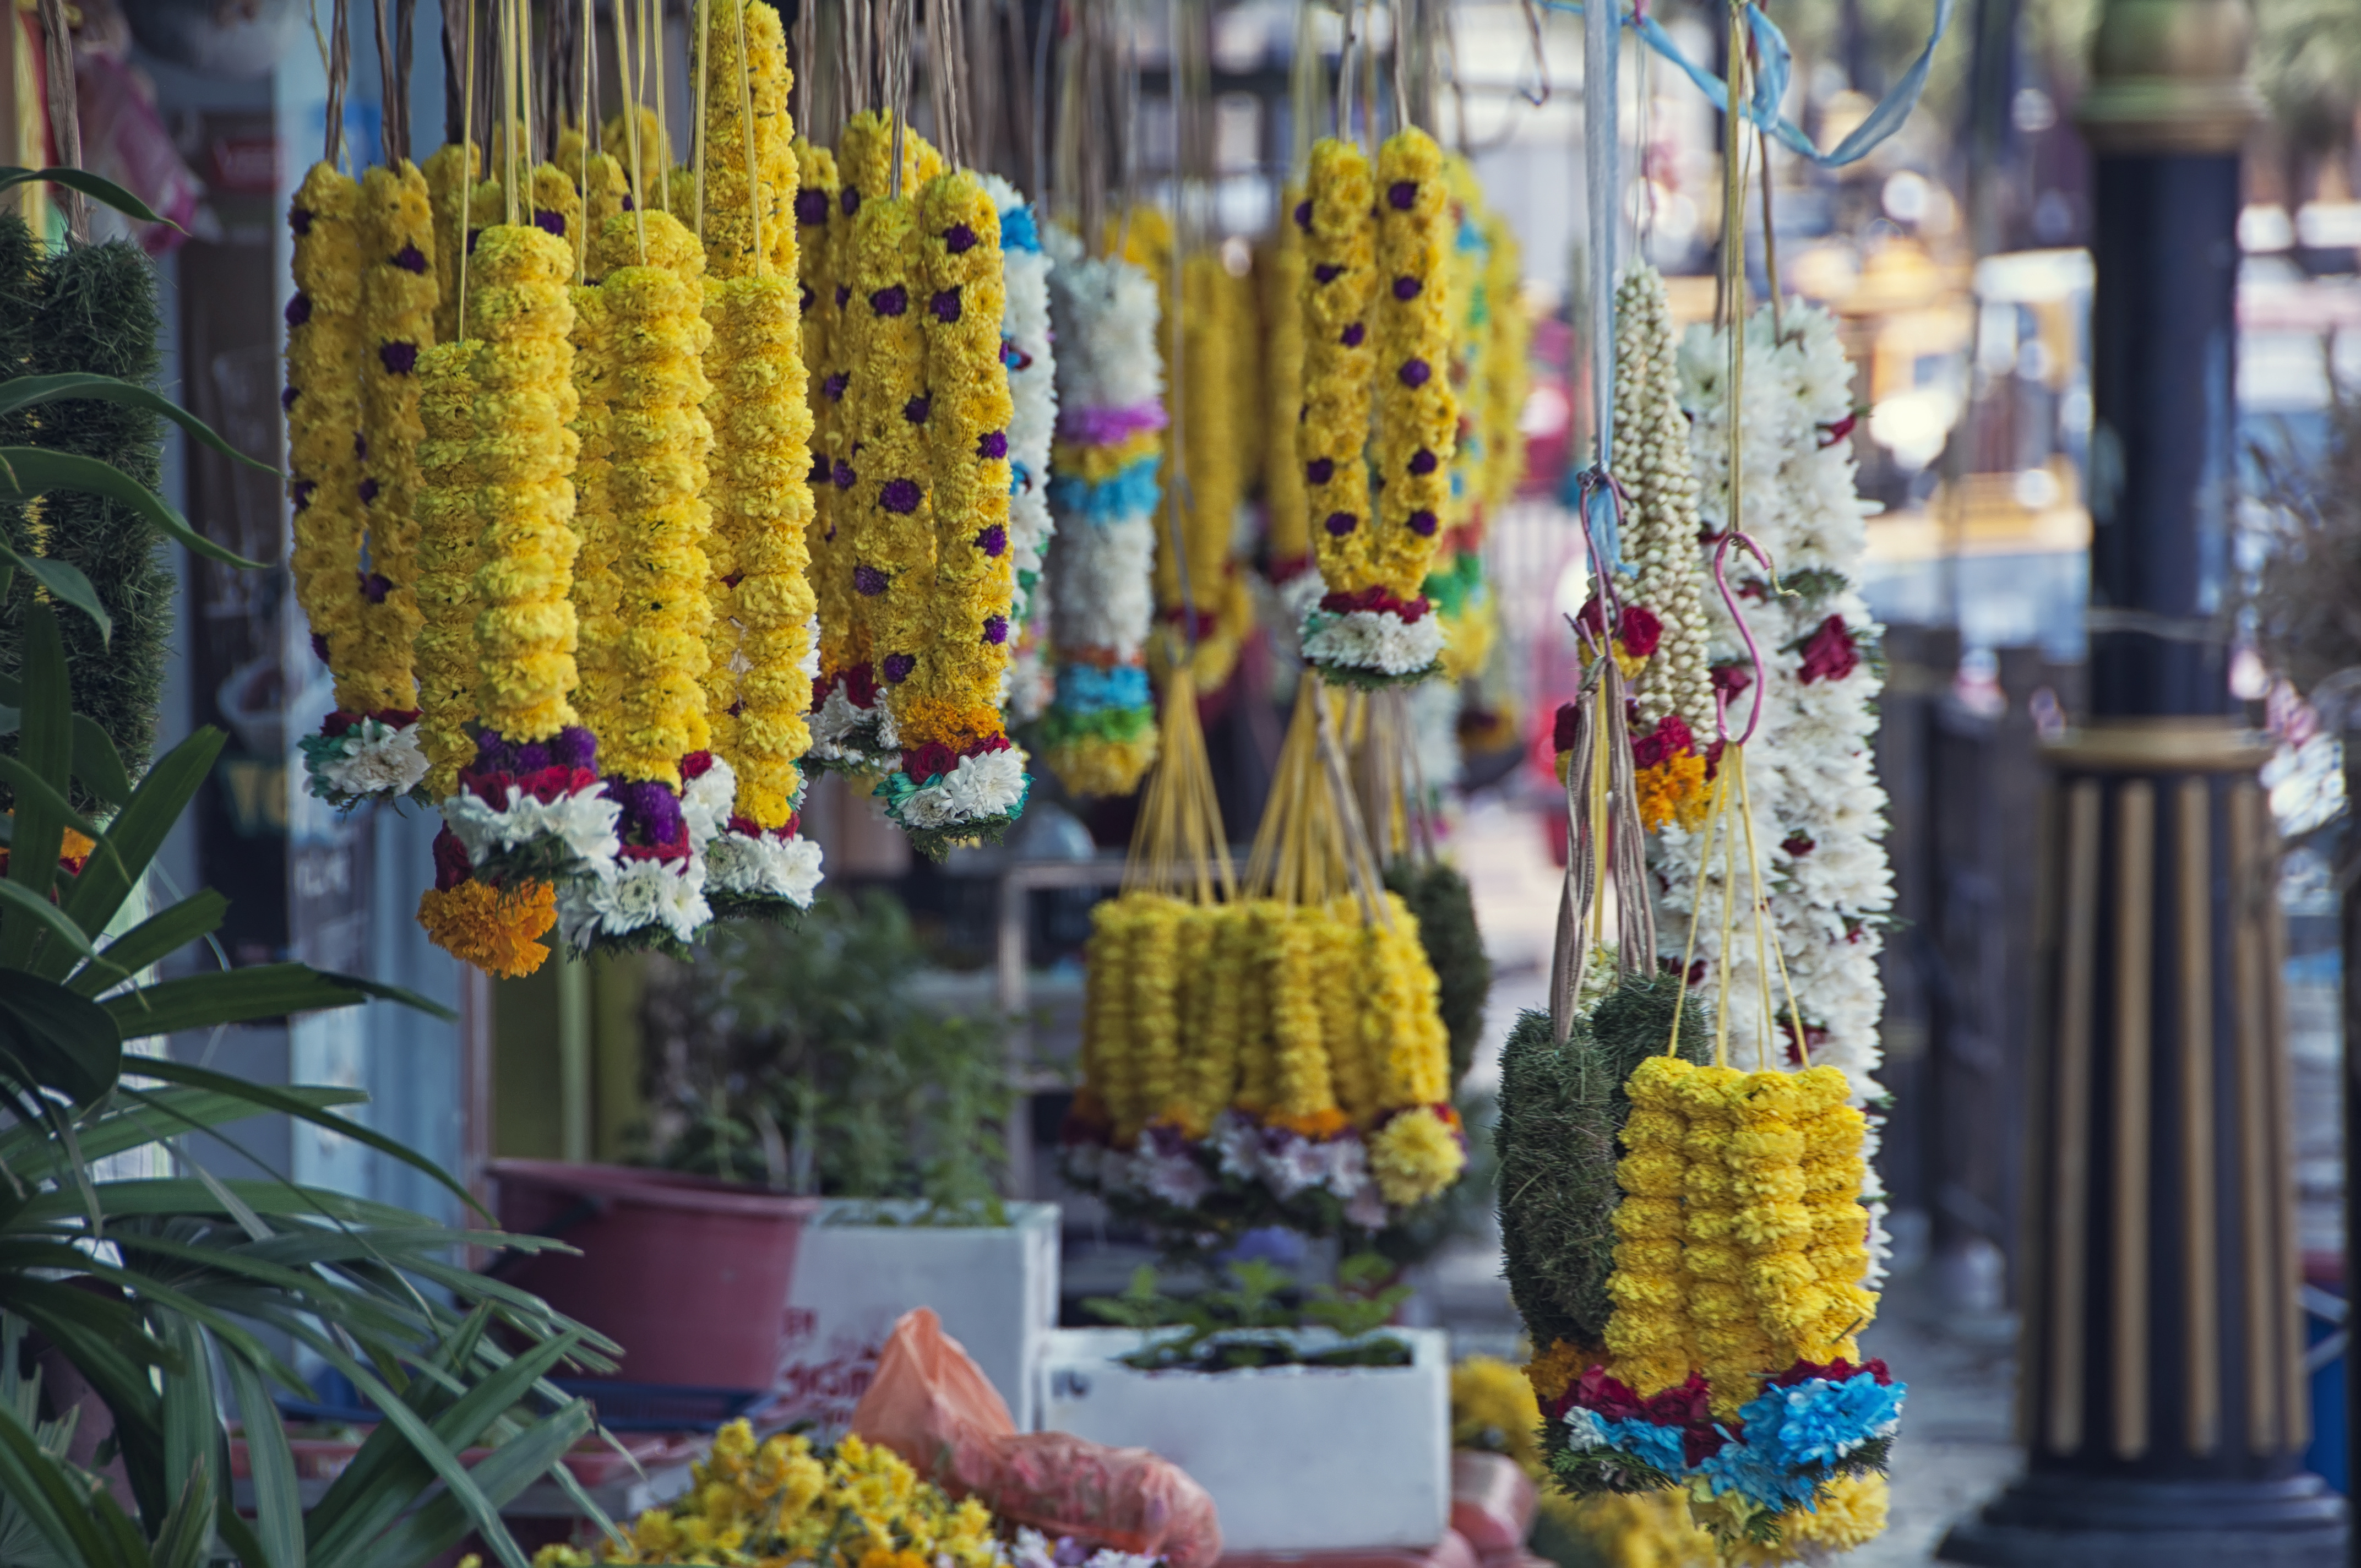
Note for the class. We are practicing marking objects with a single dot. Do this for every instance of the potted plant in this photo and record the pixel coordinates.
(806, 1061)
(1222, 1380)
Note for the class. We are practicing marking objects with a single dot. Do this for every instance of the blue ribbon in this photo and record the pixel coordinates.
(1778, 68)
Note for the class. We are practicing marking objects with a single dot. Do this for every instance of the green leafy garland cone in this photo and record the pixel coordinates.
(1439, 896)
(1561, 1110)
(91, 309)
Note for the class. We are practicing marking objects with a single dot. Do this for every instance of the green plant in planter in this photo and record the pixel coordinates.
(1250, 1321)
(800, 1059)
(171, 1298)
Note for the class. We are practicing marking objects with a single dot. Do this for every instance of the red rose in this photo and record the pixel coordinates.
(1603, 1396)
(929, 760)
(696, 765)
(1563, 730)
(1678, 1407)
(1828, 654)
(860, 687)
(1731, 680)
(492, 788)
(1639, 631)
(1670, 738)
(451, 867)
(339, 723)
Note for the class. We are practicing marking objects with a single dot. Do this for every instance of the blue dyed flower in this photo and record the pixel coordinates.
(1083, 688)
(1644, 1440)
(1819, 1422)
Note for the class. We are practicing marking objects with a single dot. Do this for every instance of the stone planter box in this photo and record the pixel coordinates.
(1296, 1458)
(995, 1287)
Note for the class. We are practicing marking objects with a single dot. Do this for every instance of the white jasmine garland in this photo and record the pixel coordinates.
(1106, 317)
(1032, 388)
(1373, 639)
(1819, 808)
(1660, 522)
(1103, 575)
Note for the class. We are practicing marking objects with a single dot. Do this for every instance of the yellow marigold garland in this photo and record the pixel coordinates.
(1303, 1091)
(1418, 414)
(447, 513)
(451, 172)
(1152, 1012)
(815, 249)
(730, 200)
(1339, 357)
(597, 591)
(1507, 378)
(891, 559)
(655, 326)
(397, 300)
(1284, 498)
(518, 305)
(324, 420)
(1649, 1332)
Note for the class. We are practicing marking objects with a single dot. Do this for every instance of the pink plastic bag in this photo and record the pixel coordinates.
(931, 1404)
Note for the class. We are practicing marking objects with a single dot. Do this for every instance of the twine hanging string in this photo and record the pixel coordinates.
(627, 62)
(757, 197)
(589, 120)
(1178, 846)
(467, 225)
(704, 42)
(65, 111)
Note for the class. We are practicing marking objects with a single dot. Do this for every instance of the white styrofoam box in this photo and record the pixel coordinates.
(1296, 1458)
(995, 1287)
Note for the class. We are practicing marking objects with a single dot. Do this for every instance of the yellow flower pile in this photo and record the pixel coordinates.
(778, 1502)
(1340, 283)
(519, 309)
(398, 302)
(1284, 499)
(447, 517)
(952, 696)
(1418, 414)
(323, 422)
(656, 332)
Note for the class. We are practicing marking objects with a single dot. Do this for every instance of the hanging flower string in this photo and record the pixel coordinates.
(1031, 362)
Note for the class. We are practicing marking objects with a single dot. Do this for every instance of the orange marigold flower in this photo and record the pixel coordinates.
(1673, 790)
(493, 928)
(1553, 1371)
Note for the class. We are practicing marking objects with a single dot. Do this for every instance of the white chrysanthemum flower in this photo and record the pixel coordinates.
(379, 758)
(985, 786)
(705, 802)
(1347, 1172)
(764, 867)
(1373, 639)
(632, 897)
(680, 900)
(1296, 1164)
(1584, 1429)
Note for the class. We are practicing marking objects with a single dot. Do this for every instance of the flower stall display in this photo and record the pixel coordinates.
(1031, 357)
(1377, 331)
(1099, 735)
(1274, 1058)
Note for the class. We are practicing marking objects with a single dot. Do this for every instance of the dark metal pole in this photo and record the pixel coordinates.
(2163, 1401)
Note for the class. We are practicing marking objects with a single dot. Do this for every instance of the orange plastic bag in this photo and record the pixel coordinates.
(930, 1403)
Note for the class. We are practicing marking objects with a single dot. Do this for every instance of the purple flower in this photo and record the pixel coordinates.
(368, 491)
(843, 296)
(1407, 287)
(842, 474)
(819, 471)
(1415, 372)
(992, 541)
(475, 234)
(287, 398)
(629, 206)
(1421, 522)
(302, 493)
(375, 586)
(946, 306)
(891, 301)
(1353, 333)
(320, 647)
(834, 386)
(995, 629)
(399, 358)
(959, 240)
(811, 207)
(867, 581)
(993, 445)
(531, 757)
(1320, 470)
(573, 747)
(1341, 523)
(549, 221)
(409, 258)
(1422, 461)
(804, 298)
(300, 219)
(917, 409)
(897, 667)
(298, 309)
(900, 497)
(1303, 215)
(1327, 273)
(360, 446)
(1403, 194)
(651, 811)
(851, 201)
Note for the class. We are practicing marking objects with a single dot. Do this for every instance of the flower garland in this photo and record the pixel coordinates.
(444, 652)
(1287, 507)
(323, 422)
(1099, 735)
(1818, 806)
(850, 729)
(597, 591)
(1025, 350)
(1470, 612)
(1337, 221)
(1508, 374)
(947, 630)
(451, 173)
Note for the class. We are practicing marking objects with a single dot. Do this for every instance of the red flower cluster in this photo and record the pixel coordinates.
(451, 865)
(1377, 597)
(1671, 736)
(1837, 1371)
(1687, 1406)
(746, 826)
(859, 683)
(543, 784)
(1830, 654)
(1561, 731)
(936, 758)
(1637, 628)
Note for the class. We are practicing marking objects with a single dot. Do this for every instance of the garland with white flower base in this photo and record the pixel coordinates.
(1819, 810)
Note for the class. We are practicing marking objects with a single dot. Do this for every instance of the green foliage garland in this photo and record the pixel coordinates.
(1439, 896)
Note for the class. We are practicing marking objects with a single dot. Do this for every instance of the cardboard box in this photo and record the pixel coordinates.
(1296, 1458)
(995, 1288)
